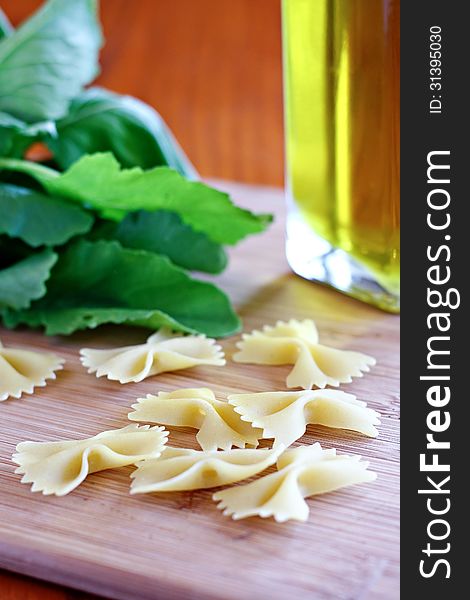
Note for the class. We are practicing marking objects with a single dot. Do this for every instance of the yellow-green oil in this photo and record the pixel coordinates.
(341, 65)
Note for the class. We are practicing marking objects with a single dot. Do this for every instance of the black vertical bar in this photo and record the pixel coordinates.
(435, 272)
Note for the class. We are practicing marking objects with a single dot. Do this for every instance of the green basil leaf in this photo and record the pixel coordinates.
(38, 219)
(9, 134)
(100, 121)
(40, 173)
(16, 135)
(48, 59)
(164, 233)
(25, 281)
(98, 181)
(102, 282)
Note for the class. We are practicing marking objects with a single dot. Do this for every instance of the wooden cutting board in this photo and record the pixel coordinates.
(178, 545)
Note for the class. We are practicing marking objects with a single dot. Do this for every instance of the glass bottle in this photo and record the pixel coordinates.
(342, 120)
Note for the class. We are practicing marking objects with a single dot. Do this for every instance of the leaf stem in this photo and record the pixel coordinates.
(33, 169)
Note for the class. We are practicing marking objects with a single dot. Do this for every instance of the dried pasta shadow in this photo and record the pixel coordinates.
(110, 335)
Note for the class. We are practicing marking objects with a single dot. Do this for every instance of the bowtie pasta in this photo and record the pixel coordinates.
(23, 370)
(302, 472)
(284, 416)
(180, 469)
(296, 343)
(59, 467)
(163, 351)
(218, 423)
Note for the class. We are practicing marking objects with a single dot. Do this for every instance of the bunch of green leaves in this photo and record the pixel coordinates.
(108, 230)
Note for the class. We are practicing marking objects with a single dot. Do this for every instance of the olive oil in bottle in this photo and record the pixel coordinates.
(341, 79)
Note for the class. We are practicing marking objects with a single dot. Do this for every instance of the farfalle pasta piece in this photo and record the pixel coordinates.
(284, 416)
(163, 351)
(218, 423)
(23, 370)
(180, 469)
(59, 467)
(296, 343)
(302, 472)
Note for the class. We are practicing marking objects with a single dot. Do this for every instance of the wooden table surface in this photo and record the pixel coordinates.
(100, 539)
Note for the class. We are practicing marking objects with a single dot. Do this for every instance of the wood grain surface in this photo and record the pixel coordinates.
(212, 68)
(101, 539)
